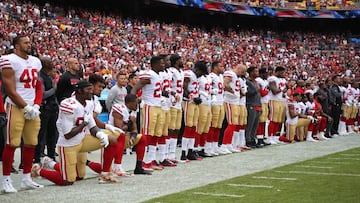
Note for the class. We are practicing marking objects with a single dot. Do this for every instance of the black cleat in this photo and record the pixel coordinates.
(141, 171)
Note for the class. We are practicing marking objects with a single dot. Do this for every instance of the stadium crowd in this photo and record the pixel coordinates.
(174, 70)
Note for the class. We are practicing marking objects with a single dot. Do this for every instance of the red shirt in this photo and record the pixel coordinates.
(300, 90)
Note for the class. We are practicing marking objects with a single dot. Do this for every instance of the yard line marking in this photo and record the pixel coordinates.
(320, 173)
(342, 158)
(253, 186)
(328, 162)
(350, 154)
(273, 178)
(306, 166)
(217, 195)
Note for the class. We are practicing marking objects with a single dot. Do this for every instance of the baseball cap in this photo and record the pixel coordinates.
(82, 84)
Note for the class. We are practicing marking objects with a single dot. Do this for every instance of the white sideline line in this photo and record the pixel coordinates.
(217, 195)
(253, 186)
(350, 154)
(305, 166)
(328, 162)
(320, 173)
(273, 178)
(342, 158)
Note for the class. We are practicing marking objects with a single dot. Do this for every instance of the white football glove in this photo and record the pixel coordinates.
(205, 94)
(28, 112)
(163, 101)
(31, 112)
(215, 91)
(104, 139)
(36, 111)
(113, 128)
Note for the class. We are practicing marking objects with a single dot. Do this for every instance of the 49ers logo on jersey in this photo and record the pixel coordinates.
(29, 77)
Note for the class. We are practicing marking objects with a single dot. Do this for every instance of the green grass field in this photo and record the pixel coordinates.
(332, 178)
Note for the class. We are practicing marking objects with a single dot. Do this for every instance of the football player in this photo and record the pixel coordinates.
(78, 134)
(191, 110)
(121, 116)
(217, 107)
(264, 92)
(176, 109)
(20, 79)
(164, 140)
(232, 96)
(277, 103)
(204, 121)
(151, 84)
(239, 141)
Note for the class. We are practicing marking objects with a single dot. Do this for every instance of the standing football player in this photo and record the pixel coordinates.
(20, 79)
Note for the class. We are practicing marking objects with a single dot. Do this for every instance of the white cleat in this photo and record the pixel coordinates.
(8, 187)
(321, 136)
(225, 150)
(29, 184)
(272, 140)
(233, 150)
(311, 139)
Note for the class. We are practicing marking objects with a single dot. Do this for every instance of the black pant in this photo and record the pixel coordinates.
(252, 125)
(47, 135)
(2, 137)
(335, 114)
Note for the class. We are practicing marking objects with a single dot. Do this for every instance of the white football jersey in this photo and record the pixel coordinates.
(264, 86)
(243, 84)
(122, 110)
(177, 83)
(26, 75)
(151, 93)
(166, 78)
(349, 95)
(218, 83)
(71, 114)
(232, 98)
(204, 89)
(96, 104)
(193, 87)
(280, 84)
(302, 106)
(297, 109)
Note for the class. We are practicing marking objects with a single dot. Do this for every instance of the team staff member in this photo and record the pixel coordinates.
(49, 112)
(253, 106)
(67, 81)
(20, 80)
